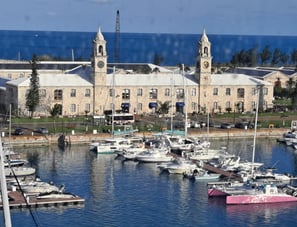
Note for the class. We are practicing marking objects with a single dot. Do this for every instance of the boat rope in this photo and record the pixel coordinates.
(22, 192)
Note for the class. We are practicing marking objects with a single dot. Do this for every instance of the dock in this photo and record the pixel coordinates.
(228, 174)
(17, 201)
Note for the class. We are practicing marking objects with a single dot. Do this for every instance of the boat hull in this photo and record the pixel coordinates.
(259, 199)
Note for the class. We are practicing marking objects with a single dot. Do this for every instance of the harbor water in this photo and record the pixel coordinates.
(128, 193)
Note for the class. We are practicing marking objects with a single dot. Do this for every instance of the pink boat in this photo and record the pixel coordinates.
(261, 195)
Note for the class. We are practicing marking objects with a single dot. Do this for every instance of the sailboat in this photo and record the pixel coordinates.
(254, 193)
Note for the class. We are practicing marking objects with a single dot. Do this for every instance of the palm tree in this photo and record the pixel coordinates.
(163, 108)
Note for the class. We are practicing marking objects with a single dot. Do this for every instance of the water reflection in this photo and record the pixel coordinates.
(119, 193)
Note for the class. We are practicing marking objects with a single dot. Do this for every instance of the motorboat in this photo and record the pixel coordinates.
(130, 153)
(288, 137)
(41, 187)
(111, 145)
(200, 174)
(267, 193)
(56, 195)
(178, 166)
(19, 171)
(155, 155)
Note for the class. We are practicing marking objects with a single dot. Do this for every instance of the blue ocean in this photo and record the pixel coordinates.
(134, 47)
(127, 193)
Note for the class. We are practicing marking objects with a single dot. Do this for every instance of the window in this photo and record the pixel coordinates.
(139, 92)
(42, 93)
(153, 93)
(180, 93)
(215, 91)
(167, 92)
(228, 105)
(88, 92)
(254, 91)
(215, 105)
(228, 91)
(126, 94)
(58, 94)
(194, 106)
(265, 91)
(111, 92)
(72, 108)
(193, 92)
(73, 93)
(139, 106)
(87, 107)
(240, 93)
(253, 104)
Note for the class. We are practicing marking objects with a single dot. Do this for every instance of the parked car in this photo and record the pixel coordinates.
(243, 125)
(19, 131)
(42, 130)
(226, 126)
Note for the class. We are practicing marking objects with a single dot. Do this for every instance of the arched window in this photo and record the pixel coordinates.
(100, 50)
(205, 51)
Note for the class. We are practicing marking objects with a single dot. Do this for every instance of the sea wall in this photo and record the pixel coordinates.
(45, 140)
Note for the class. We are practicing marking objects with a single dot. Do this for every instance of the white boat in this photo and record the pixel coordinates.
(154, 155)
(206, 176)
(19, 171)
(200, 174)
(205, 154)
(130, 153)
(111, 145)
(41, 187)
(288, 137)
(56, 195)
(177, 166)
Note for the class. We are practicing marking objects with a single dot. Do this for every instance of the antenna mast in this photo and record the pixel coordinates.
(117, 39)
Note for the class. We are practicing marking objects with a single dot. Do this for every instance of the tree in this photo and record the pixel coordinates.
(158, 59)
(294, 56)
(32, 97)
(56, 110)
(265, 55)
(163, 108)
(276, 57)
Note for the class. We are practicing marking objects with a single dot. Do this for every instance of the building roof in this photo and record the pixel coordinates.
(153, 79)
(233, 79)
(42, 65)
(54, 80)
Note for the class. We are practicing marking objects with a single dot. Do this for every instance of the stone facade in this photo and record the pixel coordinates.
(96, 86)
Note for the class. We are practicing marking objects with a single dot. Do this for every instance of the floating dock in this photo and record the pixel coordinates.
(17, 201)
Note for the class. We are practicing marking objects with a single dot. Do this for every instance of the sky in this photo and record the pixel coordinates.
(239, 17)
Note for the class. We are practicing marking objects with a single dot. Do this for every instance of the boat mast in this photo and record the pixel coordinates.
(171, 120)
(185, 100)
(112, 110)
(5, 202)
(255, 128)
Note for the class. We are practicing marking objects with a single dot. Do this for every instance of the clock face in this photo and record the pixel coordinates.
(206, 64)
(100, 64)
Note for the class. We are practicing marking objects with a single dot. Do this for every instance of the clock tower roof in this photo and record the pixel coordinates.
(99, 35)
(204, 37)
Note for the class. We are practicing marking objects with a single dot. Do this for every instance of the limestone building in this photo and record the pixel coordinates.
(95, 87)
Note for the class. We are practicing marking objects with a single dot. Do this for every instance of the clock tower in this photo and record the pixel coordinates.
(99, 59)
(203, 62)
(99, 65)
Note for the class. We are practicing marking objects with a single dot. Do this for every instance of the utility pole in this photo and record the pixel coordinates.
(117, 39)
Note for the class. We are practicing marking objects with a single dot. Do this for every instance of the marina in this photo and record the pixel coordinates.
(130, 193)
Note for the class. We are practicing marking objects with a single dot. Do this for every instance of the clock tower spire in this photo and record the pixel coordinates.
(99, 59)
(203, 62)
